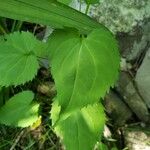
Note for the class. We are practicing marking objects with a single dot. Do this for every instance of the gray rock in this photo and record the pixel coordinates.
(143, 79)
(121, 15)
(140, 45)
(117, 109)
(137, 138)
(127, 89)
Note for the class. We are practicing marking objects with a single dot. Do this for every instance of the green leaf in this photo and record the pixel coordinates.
(1, 39)
(67, 2)
(82, 129)
(83, 68)
(18, 61)
(47, 12)
(19, 111)
(102, 146)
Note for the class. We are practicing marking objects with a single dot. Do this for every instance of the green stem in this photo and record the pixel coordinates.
(2, 29)
(35, 28)
(18, 25)
(87, 8)
(13, 26)
(3, 25)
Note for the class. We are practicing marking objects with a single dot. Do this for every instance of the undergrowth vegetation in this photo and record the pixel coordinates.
(83, 59)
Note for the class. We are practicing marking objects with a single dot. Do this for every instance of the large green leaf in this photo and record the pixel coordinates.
(19, 110)
(48, 12)
(84, 68)
(18, 61)
(82, 129)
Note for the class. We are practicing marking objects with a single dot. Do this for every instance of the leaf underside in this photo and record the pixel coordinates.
(47, 12)
(19, 111)
(82, 129)
(17, 54)
(83, 68)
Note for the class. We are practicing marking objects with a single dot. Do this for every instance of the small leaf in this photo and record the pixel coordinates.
(83, 68)
(19, 111)
(18, 61)
(82, 129)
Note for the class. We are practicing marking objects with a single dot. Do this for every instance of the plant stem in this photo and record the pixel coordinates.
(87, 8)
(3, 25)
(18, 25)
(17, 140)
(35, 28)
(13, 26)
(2, 29)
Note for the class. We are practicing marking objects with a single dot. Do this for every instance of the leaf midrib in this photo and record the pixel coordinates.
(94, 66)
(76, 75)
